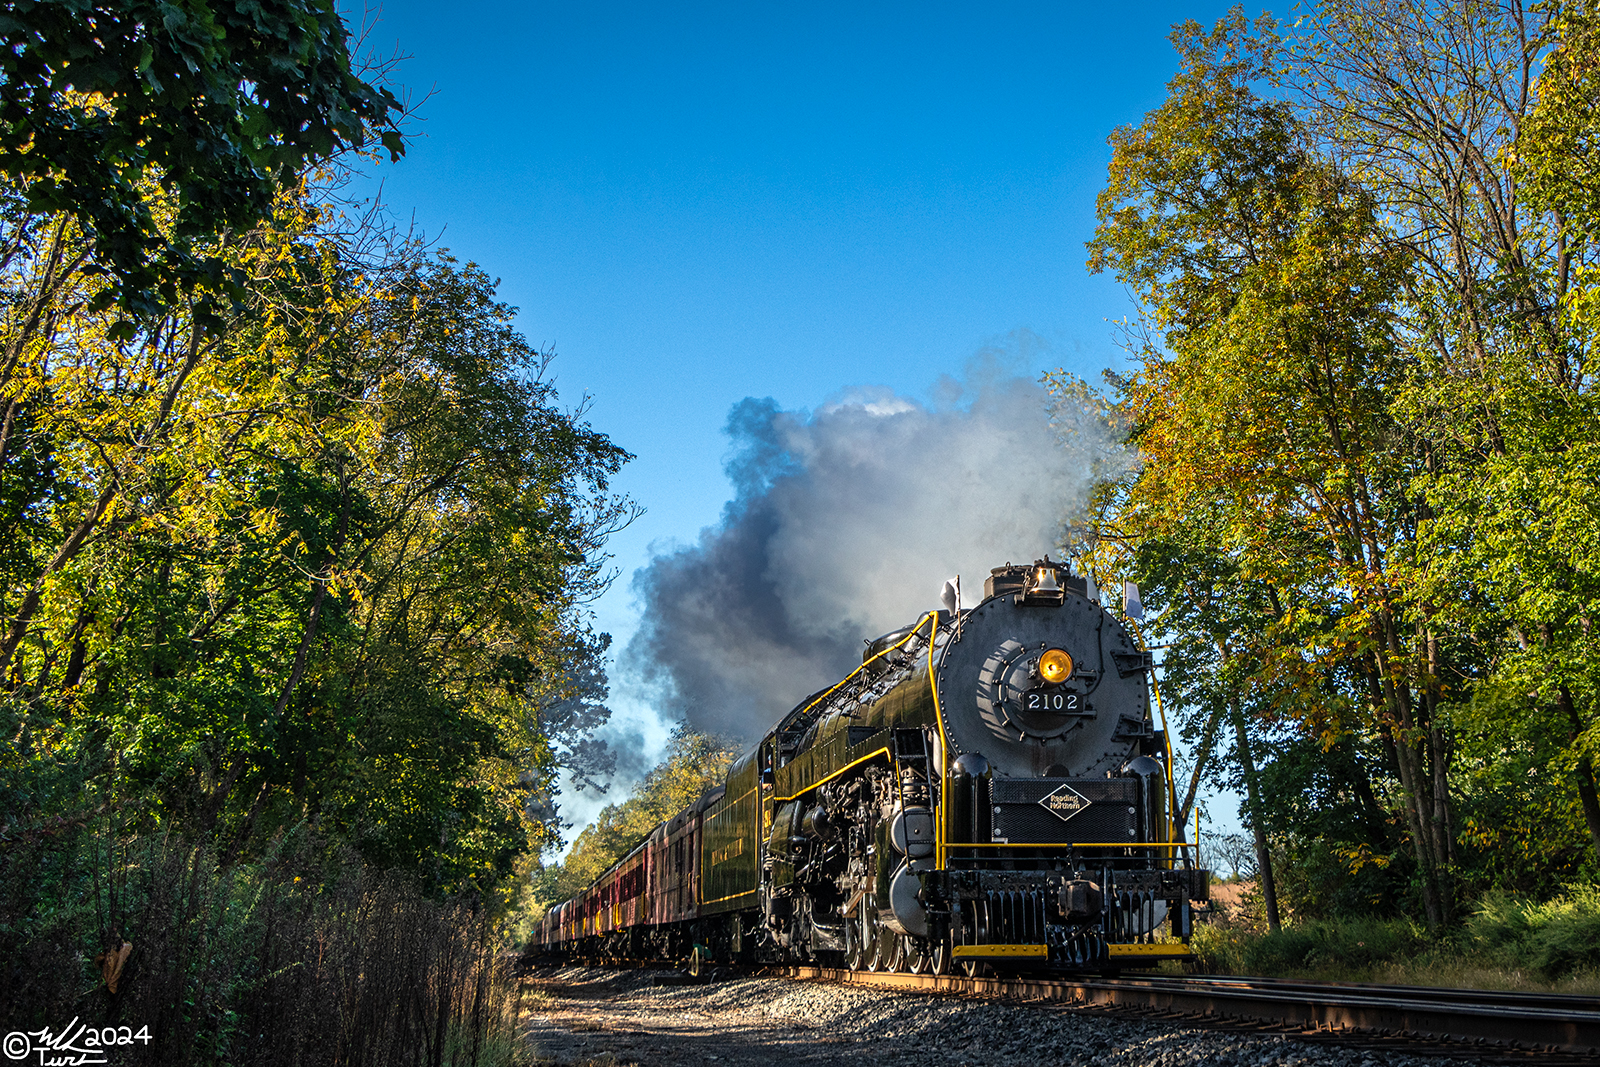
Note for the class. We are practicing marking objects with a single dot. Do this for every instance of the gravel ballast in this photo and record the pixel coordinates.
(588, 1016)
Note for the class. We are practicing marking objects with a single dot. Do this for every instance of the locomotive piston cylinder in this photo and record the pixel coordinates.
(816, 823)
(911, 833)
(904, 913)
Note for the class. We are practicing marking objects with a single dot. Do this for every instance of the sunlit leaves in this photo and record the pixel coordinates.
(218, 104)
(1270, 509)
(327, 564)
(693, 763)
(1364, 254)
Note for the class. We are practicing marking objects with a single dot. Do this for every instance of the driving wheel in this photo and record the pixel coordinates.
(919, 955)
(855, 956)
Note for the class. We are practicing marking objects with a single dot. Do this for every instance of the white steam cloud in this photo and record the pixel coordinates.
(845, 523)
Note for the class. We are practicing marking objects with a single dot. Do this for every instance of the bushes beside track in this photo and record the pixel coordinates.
(1554, 940)
(1505, 943)
(302, 958)
(1307, 947)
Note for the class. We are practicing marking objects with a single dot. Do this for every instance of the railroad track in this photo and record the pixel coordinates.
(1497, 1027)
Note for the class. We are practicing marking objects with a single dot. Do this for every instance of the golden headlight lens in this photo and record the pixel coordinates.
(1055, 666)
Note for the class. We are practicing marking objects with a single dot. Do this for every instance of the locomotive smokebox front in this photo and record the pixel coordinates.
(1042, 682)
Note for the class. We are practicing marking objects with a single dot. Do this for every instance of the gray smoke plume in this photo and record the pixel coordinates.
(845, 523)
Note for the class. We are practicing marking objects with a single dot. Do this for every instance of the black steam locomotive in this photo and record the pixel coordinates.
(987, 788)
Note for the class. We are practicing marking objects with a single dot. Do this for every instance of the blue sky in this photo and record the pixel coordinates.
(699, 203)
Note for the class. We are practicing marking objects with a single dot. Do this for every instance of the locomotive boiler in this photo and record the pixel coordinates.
(988, 788)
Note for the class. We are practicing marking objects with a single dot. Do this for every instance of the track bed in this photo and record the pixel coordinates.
(597, 1016)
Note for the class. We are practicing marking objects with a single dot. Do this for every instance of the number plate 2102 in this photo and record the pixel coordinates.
(1041, 700)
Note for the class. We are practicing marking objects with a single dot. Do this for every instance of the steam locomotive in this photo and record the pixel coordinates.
(988, 789)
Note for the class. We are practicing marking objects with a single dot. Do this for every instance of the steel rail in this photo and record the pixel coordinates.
(1479, 1020)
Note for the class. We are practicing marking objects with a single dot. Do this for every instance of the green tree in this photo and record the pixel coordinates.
(326, 565)
(1365, 258)
(1261, 402)
(1481, 172)
(216, 104)
(693, 763)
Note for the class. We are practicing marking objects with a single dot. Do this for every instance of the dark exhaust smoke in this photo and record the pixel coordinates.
(845, 523)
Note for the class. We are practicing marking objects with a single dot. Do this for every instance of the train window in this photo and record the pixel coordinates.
(766, 764)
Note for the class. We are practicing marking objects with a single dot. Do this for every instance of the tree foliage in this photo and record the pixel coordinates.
(325, 565)
(215, 104)
(1363, 409)
(296, 548)
(693, 763)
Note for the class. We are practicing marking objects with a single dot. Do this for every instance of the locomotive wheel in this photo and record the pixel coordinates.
(891, 950)
(855, 955)
(918, 957)
(982, 927)
(872, 944)
(939, 960)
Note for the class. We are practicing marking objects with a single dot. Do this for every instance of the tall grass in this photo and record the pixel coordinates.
(1505, 943)
(1553, 939)
(1344, 947)
(305, 958)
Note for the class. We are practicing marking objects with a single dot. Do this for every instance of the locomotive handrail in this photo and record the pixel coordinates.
(852, 765)
(940, 845)
(1166, 735)
(826, 693)
(953, 849)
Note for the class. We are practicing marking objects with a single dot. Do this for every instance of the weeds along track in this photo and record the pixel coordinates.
(1492, 1026)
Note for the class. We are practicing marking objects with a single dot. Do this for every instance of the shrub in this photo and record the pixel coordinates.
(1350, 944)
(1324, 945)
(1553, 939)
(1219, 948)
(306, 958)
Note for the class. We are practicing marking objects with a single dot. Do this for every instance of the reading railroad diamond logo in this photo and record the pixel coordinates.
(1064, 802)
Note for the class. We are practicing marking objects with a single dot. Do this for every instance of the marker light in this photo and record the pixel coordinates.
(1055, 666)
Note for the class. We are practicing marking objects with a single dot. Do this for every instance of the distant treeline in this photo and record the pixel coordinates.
(692, 763)
(1365, 519)
(295, 542)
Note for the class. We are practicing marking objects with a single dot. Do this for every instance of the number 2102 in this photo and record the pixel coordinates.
(1051, 701)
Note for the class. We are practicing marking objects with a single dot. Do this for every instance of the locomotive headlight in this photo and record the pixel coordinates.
(1055, 666)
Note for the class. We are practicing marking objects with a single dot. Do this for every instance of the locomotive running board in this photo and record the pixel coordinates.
(1150, 952)
(1130, 953)
(1000, 952)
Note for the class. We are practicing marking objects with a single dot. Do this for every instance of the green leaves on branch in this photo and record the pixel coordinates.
(216, 105)
(693, 763)
(327, 565)
(1363, 405)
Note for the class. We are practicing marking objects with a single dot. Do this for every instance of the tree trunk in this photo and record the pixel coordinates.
(1417, 822)
(1440, 750)
(1252, 790)
(1394, 721)
(1587, 796)
(1591, 802)
(1208, 741)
